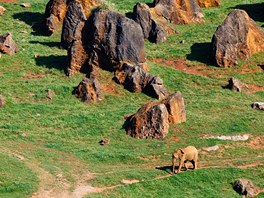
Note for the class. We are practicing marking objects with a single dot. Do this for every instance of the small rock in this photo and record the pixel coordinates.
(25, 5)
(104, 142)
(244, 187)
(211, 148)
(7, 45)
(235, 85)
(24, 32)
(182, 41)
(88, 90)
(36, 56)
(2, 101)
(49, 94)
(2, 10)
(231, 137)
(37, 115)
(258, 105)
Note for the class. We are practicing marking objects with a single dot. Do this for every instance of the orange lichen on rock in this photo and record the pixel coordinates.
(179, 11)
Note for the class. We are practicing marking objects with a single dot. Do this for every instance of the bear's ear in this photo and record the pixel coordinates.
(182, 151)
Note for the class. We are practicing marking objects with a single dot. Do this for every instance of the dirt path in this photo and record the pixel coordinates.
(54, 186)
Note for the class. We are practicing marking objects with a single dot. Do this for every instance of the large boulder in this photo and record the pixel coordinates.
(244, 187)
(238, 37)
(88, 90)
(106, 39)
(136, 79)
(2, 10)
(7, 45)
(152, 29)
(152, 119)
(208, 3)
(179, 11)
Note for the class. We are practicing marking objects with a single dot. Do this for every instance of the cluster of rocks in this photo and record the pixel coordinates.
(152, 119)
(110, 41)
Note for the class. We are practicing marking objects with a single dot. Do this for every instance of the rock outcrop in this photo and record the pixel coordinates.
(88, 90)
(208, 3)
(135, 79)
(179, 11)
(238, 37)
(56, 11)
(244, 187)
(106, 39)
(7, 45)
(152, 119)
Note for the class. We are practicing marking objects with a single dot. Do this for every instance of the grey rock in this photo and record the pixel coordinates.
(72, 24)
(244, 187)
(234, 40)
(211, 148)
(258, 105)
(136, 79)
(152, 31)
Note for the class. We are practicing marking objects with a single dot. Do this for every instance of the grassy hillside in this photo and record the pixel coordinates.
(52, 145)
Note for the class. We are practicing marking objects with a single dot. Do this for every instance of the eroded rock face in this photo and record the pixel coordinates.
(54, 13)
(7, 45)
(238, 37)
(57, 9)
(88, 90)
(152, 119)
(208, 3)
(106, 39)
(244, 187)
(152, 30)
(114, 39)
(176, 108)
(135, 79)
(179, 11)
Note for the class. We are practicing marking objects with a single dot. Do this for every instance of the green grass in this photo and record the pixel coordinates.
(60, 136)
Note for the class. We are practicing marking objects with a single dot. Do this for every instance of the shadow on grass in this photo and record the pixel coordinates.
(57, 62)
(167, 169)
(201, 52)
(33, 19)
(255, 11)
(49, 44)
